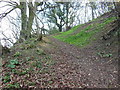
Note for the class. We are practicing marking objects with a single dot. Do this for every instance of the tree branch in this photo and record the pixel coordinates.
(5, 14)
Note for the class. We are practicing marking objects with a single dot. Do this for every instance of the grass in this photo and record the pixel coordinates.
(62, 34)
(85, 36)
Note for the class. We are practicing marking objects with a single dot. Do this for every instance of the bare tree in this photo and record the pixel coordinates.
(26, 21)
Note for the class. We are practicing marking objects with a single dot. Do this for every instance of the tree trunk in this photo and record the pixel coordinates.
(32, 11)
(24, 21)
(60, 28)
(0, 49)
(92, 12)
(26, 25)
(67, 11)
(117, 8)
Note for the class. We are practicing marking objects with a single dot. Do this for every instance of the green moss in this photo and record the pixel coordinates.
(85, 36)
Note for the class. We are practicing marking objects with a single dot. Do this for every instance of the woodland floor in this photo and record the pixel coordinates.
(94, 66)
(77, 67)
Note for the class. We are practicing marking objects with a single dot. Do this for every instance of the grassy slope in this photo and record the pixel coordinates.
(85, 35)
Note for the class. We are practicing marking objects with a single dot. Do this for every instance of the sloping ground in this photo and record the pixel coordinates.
(27, 66)
(95, 65)
(53, 63)
(82, 35)
(83, 67)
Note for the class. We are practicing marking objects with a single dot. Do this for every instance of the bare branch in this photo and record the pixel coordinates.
(6, 38)
(10, 3)
(17, 27)
(5, 14)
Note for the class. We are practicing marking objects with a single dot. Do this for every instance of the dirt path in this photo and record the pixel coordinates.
(77, 67)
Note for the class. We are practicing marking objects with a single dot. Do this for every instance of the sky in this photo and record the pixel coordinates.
(5, 25)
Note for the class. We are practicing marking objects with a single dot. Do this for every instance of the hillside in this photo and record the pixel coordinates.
(84, 57)
(83, 34)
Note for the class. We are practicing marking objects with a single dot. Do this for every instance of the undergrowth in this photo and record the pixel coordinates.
(27, 60)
